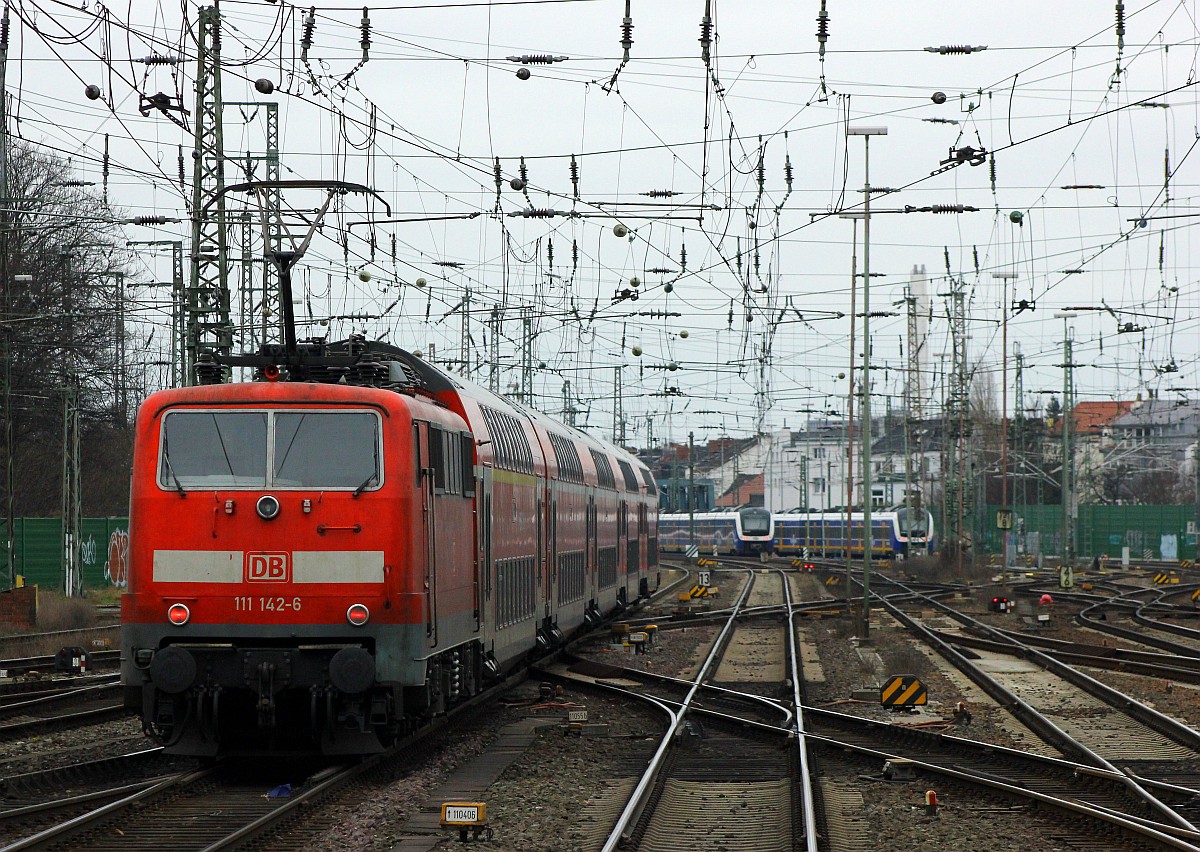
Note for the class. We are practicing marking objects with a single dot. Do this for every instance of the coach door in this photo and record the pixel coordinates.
(429, 517)
(483, 556)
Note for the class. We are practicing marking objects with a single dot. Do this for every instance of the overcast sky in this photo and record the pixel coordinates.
(1053, 96)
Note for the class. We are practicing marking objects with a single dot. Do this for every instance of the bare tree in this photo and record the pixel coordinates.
(61, 324)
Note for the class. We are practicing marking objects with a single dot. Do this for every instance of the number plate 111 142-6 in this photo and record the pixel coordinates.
(250, 603)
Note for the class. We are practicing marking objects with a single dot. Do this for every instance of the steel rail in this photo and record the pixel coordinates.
(1175, 838)
(1147, 828)
(1038, 722)
(806, 791)
(636, 800)
(83, 821)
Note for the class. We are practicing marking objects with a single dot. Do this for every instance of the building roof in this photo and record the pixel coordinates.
(1158, 412)
(1090, 418)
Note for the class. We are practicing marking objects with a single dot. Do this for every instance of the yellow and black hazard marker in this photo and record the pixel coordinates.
(835, 580)
(1187, 563)
(1196, 595)
(1164, 577)
(903, 691)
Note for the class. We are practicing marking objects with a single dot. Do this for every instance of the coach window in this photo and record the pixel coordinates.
(437, 457)
(466, 454)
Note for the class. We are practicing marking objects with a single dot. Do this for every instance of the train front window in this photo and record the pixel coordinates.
(227, 449)
(756, 523)
(303, 444)
(912, 522)
(214, 449)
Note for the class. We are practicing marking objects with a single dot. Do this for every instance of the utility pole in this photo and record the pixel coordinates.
(262, 313)
(848, 538)
(569, 409)
(464, 333)
(804, 507)
(1005, 277)
(868, 533)
(1067, 461)
(959, 488)
(1019, 395)
(494, 325)
(209, 328)
(913, 396)
(178, 307)
(691, 499)
(618, 409)
(6, 281)
(72, 498)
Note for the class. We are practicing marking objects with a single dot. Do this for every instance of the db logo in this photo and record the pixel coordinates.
(268, 567)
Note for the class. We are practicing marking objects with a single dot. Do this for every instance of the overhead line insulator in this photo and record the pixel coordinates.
(537, 59)
(948, 49)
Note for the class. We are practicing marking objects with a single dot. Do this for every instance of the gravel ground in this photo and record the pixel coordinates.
(57, 748)
(545, 799)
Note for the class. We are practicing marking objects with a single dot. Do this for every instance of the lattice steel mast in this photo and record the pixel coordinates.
(208, 325)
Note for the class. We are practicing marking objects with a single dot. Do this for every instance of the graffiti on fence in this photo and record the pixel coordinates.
(87, 551)
(116, 569)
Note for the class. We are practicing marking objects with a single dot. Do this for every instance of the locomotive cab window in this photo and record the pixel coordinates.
(270, 449)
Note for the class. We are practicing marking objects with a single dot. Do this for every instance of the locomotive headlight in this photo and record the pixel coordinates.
(178, 614)
(267, 507)
(358, 614)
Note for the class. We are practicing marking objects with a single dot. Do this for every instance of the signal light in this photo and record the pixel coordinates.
(810, 566)
(1001, 605)
(358, 614)
(178, 614)
(271, 373)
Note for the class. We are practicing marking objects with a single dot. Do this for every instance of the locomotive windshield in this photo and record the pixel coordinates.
(756, 521)
(269, 449)
(912, 522)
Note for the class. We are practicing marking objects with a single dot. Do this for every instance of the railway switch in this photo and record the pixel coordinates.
(898, 769)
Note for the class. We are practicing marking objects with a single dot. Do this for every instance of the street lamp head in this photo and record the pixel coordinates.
(866, 130)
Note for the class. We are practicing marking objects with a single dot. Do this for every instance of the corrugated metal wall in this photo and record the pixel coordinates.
(1150, 532)
(104, 550)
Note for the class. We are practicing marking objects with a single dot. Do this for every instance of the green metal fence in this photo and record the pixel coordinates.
(103, 550)
(1150, 532)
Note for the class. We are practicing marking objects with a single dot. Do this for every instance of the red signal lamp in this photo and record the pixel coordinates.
(271, 373)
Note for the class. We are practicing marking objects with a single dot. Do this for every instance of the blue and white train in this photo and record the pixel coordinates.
(894, 536)
(742, 532)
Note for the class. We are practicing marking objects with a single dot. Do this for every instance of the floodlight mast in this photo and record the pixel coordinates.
(284, 261)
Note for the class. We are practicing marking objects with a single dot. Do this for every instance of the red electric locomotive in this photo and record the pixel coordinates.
(325, 557)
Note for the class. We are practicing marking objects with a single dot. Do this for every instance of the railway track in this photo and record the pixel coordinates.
(1066, 799)
(722, 777)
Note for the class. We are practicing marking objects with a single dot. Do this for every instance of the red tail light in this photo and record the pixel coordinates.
(358, 614)
(178, 614)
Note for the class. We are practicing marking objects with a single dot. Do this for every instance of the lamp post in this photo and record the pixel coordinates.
(1066, 436)
(868, 536)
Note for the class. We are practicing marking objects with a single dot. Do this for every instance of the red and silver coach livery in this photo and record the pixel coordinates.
(325, 557)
